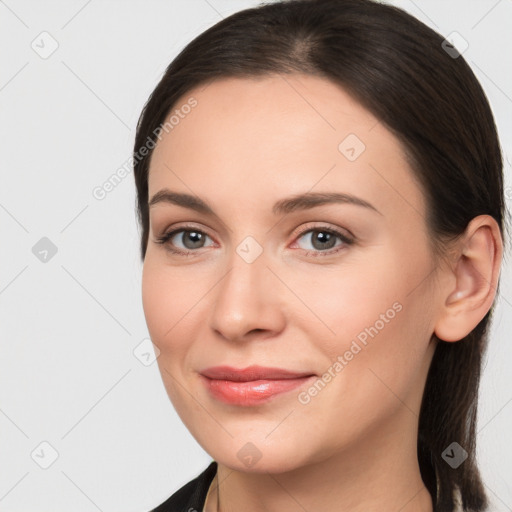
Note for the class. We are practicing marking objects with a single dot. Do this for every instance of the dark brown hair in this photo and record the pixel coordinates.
(398, 69)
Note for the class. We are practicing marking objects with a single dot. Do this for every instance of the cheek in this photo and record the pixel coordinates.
(155, 301)
(349, 299)
(382, 334)
(168, 298)
(372, 315)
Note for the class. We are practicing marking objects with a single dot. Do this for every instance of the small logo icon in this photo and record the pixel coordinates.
(146, 352)
(44, 250)
(249, 454)
(351, 147)
(44, 455)
(454, 455)
(44, 45)
(249, 249)
(454, 45)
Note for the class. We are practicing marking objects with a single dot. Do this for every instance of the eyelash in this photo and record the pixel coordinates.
(164, 240)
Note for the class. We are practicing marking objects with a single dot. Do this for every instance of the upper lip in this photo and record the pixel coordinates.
(254, 372)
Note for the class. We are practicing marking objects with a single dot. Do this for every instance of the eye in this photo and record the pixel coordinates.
(322, 238)
(191, 238)
(323, 241)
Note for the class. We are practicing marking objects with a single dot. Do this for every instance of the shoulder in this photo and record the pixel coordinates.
(190, 497)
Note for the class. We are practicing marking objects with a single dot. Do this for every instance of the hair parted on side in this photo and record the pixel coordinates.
(395, 66)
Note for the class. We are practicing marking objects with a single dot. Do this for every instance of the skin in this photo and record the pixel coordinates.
(247, 144)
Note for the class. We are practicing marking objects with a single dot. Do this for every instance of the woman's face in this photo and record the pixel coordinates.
(352, 313)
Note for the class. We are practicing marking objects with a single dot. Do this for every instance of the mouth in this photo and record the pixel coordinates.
(253, 385)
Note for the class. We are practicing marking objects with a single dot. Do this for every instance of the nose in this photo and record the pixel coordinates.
(248, 300)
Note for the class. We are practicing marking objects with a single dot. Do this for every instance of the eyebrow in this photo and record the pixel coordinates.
(287, 205)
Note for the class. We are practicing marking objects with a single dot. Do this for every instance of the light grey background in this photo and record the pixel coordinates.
(69, 326)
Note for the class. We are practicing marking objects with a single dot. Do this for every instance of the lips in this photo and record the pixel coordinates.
(252, 385)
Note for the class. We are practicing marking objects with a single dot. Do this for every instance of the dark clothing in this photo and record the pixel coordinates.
(190, 497)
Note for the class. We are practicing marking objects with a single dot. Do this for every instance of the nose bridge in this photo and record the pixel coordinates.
(245, 298)
(243, 285)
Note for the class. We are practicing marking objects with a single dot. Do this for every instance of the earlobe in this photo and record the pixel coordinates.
(476, 271)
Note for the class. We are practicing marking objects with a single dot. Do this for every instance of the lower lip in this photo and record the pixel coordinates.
(253, 392)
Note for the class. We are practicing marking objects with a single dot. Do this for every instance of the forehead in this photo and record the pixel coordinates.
(258, 139)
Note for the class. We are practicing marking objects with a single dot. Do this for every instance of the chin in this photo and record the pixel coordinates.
(259, 455)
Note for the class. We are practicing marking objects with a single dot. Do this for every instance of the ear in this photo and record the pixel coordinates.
(476, 270)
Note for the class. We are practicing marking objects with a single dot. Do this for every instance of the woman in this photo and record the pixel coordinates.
(320, 193)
